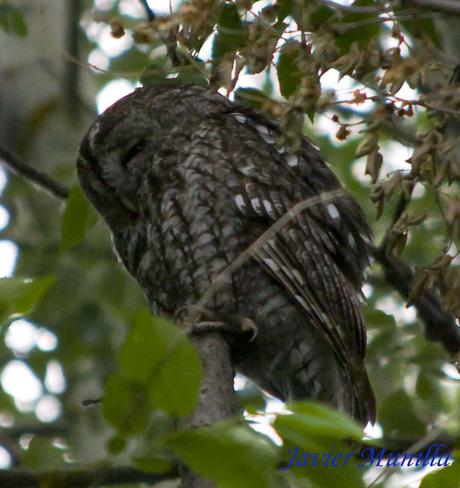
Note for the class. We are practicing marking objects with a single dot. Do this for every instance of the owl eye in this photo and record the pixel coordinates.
(133, 151)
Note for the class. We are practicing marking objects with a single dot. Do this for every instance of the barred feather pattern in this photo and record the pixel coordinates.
(187, 180)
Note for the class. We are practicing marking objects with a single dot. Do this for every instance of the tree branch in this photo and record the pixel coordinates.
(217, 399)
(169, 39)
(42, 430)
(439, 325)
(106, 476)
(356, 10)
(42, 180)
(71, 76)
(447, 6)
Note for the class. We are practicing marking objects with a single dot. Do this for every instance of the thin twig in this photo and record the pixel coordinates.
(71, 77)
(225, 276)
(150, 14)
(408, 14)
(447, 6)
(42, 430)
(356, 10)
(42, 180)
(169, 39)
(417, 447)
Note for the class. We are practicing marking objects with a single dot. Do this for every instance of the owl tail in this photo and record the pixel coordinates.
(348, 391)
(364, 408)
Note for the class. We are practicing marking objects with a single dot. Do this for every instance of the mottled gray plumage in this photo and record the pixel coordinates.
(186, 181)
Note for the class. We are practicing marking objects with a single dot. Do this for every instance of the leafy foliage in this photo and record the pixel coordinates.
(78, 218)
(12, 20)
(442, 478)
(18, 296)
(153, 355)
(230, 455)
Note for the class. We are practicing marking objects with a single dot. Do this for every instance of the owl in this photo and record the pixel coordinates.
(187, 181)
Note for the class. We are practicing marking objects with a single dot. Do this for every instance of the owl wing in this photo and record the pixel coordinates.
(319, 254)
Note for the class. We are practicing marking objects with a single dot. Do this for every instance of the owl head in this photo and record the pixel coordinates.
(121, 145)
(113, 156)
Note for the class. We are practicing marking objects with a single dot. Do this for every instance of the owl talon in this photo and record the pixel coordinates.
(190, 315)
(249, 326)
(199, 328)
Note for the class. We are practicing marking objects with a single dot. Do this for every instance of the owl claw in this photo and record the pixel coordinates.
(207, 327)
(249, 326)
(190, 314)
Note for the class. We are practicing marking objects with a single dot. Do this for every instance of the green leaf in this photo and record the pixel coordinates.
(116, 444)
(426, 387)
(153, 464)
(444, 478)
(231, 33)
(429, 388)
(18, 296)
(192, 75)
(159, 356)
(363, 33)
(317, 418)
(125, 406)
(397, 416)
(320, 16)
(41, 452)
(285, 8)
(315, 435)
(231, 455)
(78, 218)
(155, 73)
(158, 73)
(429, 355)
(329, 465)
(250, 96)
(130, 61)
(289, 74)
(378, 319)
(12, 20)
(424, 28)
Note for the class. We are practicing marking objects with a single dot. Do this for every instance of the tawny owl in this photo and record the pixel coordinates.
(188, 180)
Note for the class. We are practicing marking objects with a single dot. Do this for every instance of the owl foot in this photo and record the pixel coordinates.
(247, 328)
(198, 320)
(189, 315)
(207, 327)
